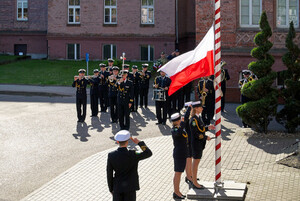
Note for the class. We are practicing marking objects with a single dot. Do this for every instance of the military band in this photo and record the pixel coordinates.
(94, 92)
(113, 93)
(110, 65)
(103, 87)
(135, 78)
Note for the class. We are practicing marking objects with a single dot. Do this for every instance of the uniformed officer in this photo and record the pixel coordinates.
(112, 94)
(247, 77)
(136, 87)
(206, 92)
(94, 92)
(80, 83)
(145, 76)
(110, 66)
(125, 100)
(225, 77)
(198, 129)
(186, 118)
(103, 87)
(122, 167)
(180, 151)
(162, 82)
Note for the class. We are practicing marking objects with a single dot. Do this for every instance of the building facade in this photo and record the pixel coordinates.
(239, 25)
(23, 27)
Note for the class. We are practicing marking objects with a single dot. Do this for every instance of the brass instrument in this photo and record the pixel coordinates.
(86, 77)
(223, 63)
(203, 93)
(111, 78)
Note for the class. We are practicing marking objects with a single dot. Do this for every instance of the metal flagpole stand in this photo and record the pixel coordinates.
(218, 190)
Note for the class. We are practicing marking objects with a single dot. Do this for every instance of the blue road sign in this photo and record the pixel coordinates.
(87, 57)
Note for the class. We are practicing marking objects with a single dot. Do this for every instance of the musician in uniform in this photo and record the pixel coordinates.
(206, 92)
(136, 87)
(110, 66)
(122, 167)
(94, 92)
(80, 83)
(145, 76)
(112, 94)
(125, 100)
(247, 77)
(224, 78)
(198, 129)
(103, 87)
(180, 152)
(162, 82)
(130, 75)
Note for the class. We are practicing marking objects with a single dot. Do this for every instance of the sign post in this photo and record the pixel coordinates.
(87, 63)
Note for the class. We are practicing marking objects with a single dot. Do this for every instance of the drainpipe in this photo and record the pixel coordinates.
(176, 23)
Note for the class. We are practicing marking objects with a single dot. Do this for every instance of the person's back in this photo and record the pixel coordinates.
(122, 167)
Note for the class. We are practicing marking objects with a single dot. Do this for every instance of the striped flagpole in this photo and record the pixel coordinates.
(218, 92)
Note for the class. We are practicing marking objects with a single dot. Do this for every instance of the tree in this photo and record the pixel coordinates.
(289, 115)
(259, 111)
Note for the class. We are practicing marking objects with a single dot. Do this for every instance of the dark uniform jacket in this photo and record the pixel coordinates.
(103, 81)
(163, 82)
(94, 82)
(209, 85)
(198, 129)
(226, 78)
(136, 79)
(124, 163)
(180, 141)
(125, 92)
(81, 87)
(145, 79)
(113, 88)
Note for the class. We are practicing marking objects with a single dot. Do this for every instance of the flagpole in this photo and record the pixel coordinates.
(217, 58)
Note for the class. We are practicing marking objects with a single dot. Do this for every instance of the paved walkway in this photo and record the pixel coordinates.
(245, 159)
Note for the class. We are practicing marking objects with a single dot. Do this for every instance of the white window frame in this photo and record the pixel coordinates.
(250, 14)
(74, 7)
(149, 52)
(147, 7)
(287, 15)
(110, 13)
(22, 8)
(111, 50)
(75, 51)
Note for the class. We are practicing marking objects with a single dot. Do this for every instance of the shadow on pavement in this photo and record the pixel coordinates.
(82, 132)
(96, 124)
(226, 132)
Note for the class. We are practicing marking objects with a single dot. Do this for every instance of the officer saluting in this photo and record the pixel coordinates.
(122, 166)
(103, 87)
(125, 100)
(80, 83)
(112, 94)
(94, 92)
(144, 86)
(162, 82)
(136, 87)
(180, 152)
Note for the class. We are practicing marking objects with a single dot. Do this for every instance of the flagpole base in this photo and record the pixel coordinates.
(227, 190)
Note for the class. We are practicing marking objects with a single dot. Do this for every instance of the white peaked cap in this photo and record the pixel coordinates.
(122, 135)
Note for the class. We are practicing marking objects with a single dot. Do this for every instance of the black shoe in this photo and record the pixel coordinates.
(195, 187)
(157, 123)
(175, 196)
(188, 181)
(78, 121)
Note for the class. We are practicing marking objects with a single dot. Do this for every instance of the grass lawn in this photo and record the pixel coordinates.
(8, 58)
(47, 72)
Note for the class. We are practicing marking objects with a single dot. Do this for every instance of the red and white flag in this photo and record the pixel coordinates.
(191, 65)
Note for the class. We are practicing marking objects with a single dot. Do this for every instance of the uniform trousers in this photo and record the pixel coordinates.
(124, 112)
(113, 109)
(161, 105)
(208, 111)
(94, 104)
(81, 103)
(126, 196)
(144, 97)
(135, 104)
(103, 95)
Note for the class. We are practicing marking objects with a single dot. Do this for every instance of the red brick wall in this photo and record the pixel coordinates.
(237, 42)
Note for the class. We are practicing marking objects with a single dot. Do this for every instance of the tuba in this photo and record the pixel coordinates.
(223, 63)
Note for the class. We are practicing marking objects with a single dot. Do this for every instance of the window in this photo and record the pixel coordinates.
(73, 51)
(22, 10)
(147, 12)
(147, 52)
(110, 11)
(250, 11)
(74, 12)
(287, 11)
(109, 51)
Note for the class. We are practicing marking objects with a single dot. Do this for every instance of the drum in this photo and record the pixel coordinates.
(159, 95)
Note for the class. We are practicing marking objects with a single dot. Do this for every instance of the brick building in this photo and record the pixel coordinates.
(23, 27)
(238, 27)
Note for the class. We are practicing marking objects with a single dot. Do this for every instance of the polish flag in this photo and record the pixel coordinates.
(191, 65)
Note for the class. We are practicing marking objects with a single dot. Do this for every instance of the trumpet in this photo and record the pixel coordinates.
(111, 78)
